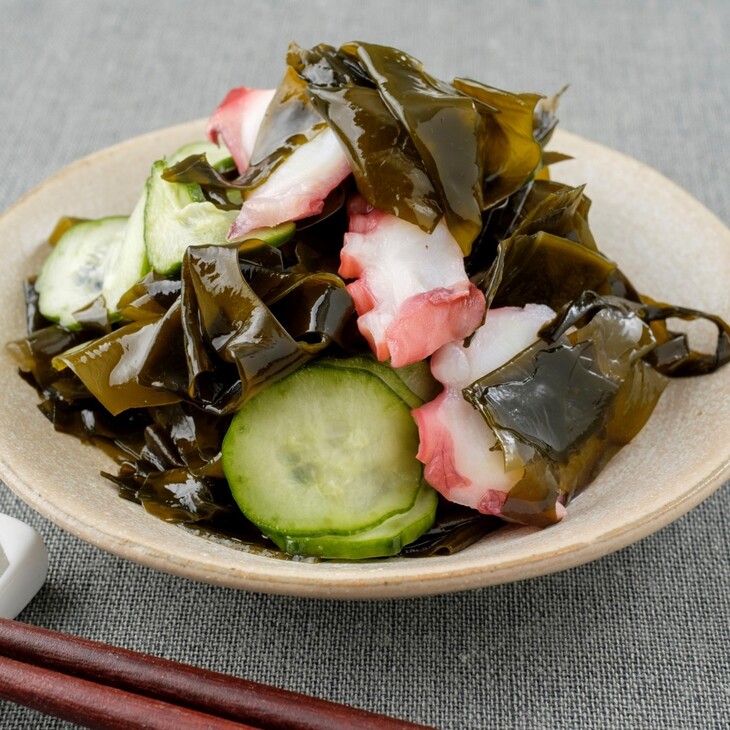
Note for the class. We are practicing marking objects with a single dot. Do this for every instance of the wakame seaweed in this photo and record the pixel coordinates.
(421, 148)
(219, 341)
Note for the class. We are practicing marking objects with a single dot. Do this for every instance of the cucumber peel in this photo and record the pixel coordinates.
(127, 262)
(387, 374)
(386, 539)
(216, 156)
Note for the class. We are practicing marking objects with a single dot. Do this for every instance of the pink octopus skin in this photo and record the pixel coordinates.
(411, 292)
(237, 121)
(297, 188)
(456, 444)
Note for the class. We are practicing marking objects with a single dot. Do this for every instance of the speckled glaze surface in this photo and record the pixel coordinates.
(668, 244)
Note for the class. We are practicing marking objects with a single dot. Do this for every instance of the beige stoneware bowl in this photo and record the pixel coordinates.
(671, 247)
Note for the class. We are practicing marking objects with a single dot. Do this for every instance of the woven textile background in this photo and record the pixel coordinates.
(638, 639)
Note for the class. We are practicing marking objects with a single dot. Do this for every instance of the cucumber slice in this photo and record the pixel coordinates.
(380, 370)
(72, 276)
(325, 451)
(387, 538)
(176, 216)
(419, 380)
(216, 155)
(107, 257)
(127, 261)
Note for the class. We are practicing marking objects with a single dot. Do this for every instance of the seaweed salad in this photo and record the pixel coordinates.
(361, 319)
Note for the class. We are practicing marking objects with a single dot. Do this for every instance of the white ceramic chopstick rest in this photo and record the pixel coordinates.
(23, 565)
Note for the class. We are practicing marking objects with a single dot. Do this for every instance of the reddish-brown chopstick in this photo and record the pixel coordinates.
(97, 705)
(153, 679)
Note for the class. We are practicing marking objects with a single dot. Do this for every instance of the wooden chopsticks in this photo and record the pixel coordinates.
(100, 686)
(96, 705)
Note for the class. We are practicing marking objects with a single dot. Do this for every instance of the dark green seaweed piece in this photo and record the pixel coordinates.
(110, 366)
(171, 466)
(223, 314)
(197, 169)
(563, 407)
(174, 495)
(220, 187)
(385, 163)
(447, 130)
(66, 401)
(549, 255)
(195, 435)
(544, 269)
(290, 122)
(540, 206)
(558, 209)
(149, 298)
(420, 148)
(307, 299)
(162, 365)
(510, 153)
(120, 436)
(455, 528)
(35, 353)
(672, 356)
(200, 504)
(184, 440)
(237, 321)
(226, 324)
(290, 119)
(566, 405)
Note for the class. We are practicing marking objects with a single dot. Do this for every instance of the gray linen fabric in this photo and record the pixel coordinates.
(637, 639)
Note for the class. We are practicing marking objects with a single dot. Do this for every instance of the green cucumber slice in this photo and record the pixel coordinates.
(387, 538)
(325, 451)
(380, 370)
(216, 155)
(419, 380)
(176, 215)
(109, 255)
(274, 236)
(127, 261)
(72, 276)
